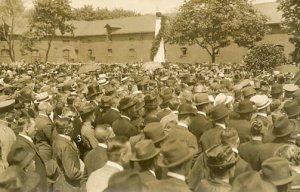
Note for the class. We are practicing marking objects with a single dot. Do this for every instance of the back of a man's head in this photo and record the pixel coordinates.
(118, 149)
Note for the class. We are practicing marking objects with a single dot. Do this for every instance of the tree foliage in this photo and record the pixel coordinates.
(291, 20)
(264, 57)
(214, 24)
(50, 18)
(11, 12)
(88, 13)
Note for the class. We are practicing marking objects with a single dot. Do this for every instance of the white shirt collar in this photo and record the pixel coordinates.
(176, 175)
(42, 114)
(235, 150)
(65, 136)
(26, 137)
(182, 124)
(262, 114)
(175, 112)
(102, 145)
(124, 116)
(113, 108)
(201, 113)
(221, 125)
(115, 165)
(152, 172)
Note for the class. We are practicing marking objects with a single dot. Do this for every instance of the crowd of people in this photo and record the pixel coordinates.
(182, 127)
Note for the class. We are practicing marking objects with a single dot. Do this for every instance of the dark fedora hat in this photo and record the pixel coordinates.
(248, 91)
(277, 171)
(283, 126)
(155, 132)
(245, 106)
(291, 108)
(221, 157)
(126, 103)
(186, 109)
(219, 112)
(87, 108)
(201, 98)
(105, 101)
(175, 152)
(14, 178)
(276, 89)
(7, 105)
(93, 90)
(144, 150)
(20, 157)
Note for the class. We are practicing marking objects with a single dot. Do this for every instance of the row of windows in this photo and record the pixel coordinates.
(108, 38)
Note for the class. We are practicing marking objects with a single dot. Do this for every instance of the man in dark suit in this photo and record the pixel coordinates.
(200, 123)
(45, 133)
(180, 131)
(166, 95)
(245, 110)
(145, 153)
(176, 158)
(249, 150)
(123, 125)
(25, 141)
(211, 137)
(112, 113)
(67, 157)
(283, 128)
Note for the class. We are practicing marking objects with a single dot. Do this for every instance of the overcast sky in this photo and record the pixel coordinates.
(141, 6)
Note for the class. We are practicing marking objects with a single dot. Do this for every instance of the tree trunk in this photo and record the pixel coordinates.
(11, 52)
(213, 56)
(48, 50)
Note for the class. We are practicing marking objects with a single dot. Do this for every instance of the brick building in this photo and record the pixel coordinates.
(130, 40)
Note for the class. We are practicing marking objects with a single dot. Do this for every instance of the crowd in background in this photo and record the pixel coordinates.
(120, 127)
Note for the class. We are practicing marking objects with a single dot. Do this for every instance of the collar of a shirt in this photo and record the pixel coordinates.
(262, 114)
(221, 125)
(201, 113)
(176, 175)
(124, 116)
(102, 145)
(113, 108)
(65, 136)
(26, 137)
(183, 124)
(115, 165)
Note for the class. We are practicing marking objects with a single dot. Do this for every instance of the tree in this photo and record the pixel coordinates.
(291, 21)
(88, 13)
(49, 18)
(11, 16)
(214, 24)
(264, 57)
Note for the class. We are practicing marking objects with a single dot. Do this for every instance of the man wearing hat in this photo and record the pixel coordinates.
(123, 125)
(7, 135)
(276, 170)
(118, 153)
(289, 89)
(112, 113)
(282, 131)
(145, 154)
(166, 95)
(221, 161)
(25, 141)
(248, 92)
(262, 104)
(151, 108)
(176, 158)
(171, 119)
(180, 131)
(219, 115)
(200, 123)
(245, 109)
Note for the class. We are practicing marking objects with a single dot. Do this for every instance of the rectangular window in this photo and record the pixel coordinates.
(35, 53)
(131, 38)
(76, 51)
(66, 41)
(90, 52)
(131, 52)
(109, 52)
(4, 52)
(66, 54)
(183, 51)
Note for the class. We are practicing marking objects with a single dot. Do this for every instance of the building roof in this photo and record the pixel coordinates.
(271, 11)
(126, 25)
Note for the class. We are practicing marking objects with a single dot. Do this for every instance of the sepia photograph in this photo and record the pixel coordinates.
(149, 96)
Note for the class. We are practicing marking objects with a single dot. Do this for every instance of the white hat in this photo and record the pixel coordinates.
(44, 96)
(102, 76)
(124, 79)
(103, 82)
(221, 98)
(261, 101)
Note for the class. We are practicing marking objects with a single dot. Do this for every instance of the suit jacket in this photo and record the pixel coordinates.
(249, 152)
(213, 185)
(67, 157)
(210, 138)
(199, 125)
(98, 180)
(7, 139)
(267, 150)
(28, 146)
(169, 184)
(163, 113)
(124, 127)
(94, 159)
(110, 116)
(147, 177)
(243, 128)
(169, 120)
(44, 136)
(182, 133)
